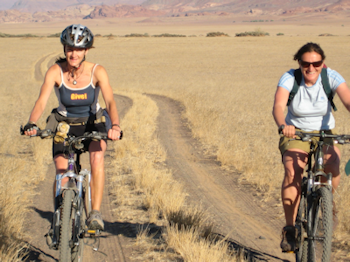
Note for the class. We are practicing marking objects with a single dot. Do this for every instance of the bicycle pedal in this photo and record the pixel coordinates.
(94, 232)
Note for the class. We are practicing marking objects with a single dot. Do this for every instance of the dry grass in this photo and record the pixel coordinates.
(23, 161)
(227, 86)
(146, 185)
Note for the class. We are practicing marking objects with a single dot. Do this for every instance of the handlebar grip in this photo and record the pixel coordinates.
(280, 128)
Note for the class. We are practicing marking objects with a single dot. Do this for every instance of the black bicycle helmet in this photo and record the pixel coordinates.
(78, 36)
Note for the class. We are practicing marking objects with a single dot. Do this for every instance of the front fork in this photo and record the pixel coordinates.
(78, 187)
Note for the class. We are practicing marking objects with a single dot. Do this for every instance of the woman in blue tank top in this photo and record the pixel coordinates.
(77, 84)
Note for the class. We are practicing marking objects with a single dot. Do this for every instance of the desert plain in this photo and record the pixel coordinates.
(221, 90)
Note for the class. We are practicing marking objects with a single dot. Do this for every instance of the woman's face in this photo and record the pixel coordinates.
(311, 64)
(75, 55)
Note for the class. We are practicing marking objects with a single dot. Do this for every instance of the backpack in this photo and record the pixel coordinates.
(325, 83)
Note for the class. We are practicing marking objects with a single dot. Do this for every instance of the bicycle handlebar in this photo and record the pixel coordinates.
(304, 136)
(45, 133)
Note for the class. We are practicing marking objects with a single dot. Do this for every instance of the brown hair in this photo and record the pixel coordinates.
(309, 47)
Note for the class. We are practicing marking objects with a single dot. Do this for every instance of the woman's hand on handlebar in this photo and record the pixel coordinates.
(288, 131)
(115, 133)
(30, 129)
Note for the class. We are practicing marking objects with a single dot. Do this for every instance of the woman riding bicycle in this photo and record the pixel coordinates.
(77, 84)
(311, 111)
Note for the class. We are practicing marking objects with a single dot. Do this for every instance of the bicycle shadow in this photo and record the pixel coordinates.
(40, 252)
(248, 254)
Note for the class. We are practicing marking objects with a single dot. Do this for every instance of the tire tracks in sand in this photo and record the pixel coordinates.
(233, 208)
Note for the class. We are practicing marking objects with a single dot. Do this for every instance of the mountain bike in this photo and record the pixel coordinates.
(314, 219)
(72, 201)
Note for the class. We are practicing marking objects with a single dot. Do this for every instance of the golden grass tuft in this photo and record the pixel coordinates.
(140, 156)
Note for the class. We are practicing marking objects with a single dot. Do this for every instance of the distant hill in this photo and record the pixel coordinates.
(236, 6)
(122, 11)
(24, 11)
(32, 6)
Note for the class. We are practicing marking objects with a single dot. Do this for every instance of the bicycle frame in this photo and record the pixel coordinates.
(314, 218)
(316, 172)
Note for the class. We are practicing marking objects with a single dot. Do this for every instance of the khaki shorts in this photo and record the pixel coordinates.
(287, 143)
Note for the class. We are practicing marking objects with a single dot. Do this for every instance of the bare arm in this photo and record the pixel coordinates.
(280, 103)
(344, 95)
(107, 93)
(45, 91)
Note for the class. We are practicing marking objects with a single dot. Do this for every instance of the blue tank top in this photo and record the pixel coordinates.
(77, 102)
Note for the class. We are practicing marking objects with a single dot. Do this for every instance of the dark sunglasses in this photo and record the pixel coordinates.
(307, 64)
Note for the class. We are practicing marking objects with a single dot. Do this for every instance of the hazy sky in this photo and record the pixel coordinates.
(6, 4)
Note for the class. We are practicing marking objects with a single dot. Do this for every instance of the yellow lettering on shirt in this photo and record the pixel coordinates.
(78, 96)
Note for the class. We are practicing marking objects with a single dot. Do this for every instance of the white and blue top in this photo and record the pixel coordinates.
(77, 102)
(310, 109)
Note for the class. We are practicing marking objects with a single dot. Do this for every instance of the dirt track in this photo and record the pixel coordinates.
(234, 208)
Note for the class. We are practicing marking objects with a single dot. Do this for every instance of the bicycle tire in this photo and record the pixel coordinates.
(87, 194)
(301, 253)
(66, 226)
(320, 225)
(77, 251)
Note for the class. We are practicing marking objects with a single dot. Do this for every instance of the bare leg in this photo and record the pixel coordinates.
(97, 150)
(332, 163)
(294, 161)
(61, 164)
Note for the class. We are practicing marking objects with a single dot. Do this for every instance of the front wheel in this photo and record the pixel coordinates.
(320, 225)
(78, 248)
(300, 223)
(66, 226)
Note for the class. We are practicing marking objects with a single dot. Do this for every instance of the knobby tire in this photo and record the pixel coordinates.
(320, 226)
(66, 226)
(87, 195)
(301, 253)
(78, 250)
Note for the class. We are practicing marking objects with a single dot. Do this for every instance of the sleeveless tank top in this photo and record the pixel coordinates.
(77, 102)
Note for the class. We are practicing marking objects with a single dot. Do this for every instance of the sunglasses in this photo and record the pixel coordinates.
(314, 64)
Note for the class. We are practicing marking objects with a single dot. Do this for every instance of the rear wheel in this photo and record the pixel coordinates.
(320, 226)
(66, 226)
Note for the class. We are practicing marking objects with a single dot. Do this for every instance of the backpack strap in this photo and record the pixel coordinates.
(297, 81)
(325, 83)
(327, 88)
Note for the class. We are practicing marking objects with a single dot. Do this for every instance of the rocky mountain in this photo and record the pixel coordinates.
(53, 10)
(122, 11)
(244, 6)
(32, 6)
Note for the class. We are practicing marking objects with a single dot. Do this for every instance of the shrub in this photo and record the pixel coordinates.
(215, 34)
(279, 34)
(169, 35)
(137, 35)
(110, 35)
(21, 35)
(257, 32)
(326, 34)
(55, 35)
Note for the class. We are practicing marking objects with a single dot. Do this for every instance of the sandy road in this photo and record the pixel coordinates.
(236, 212)
(233, 207)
